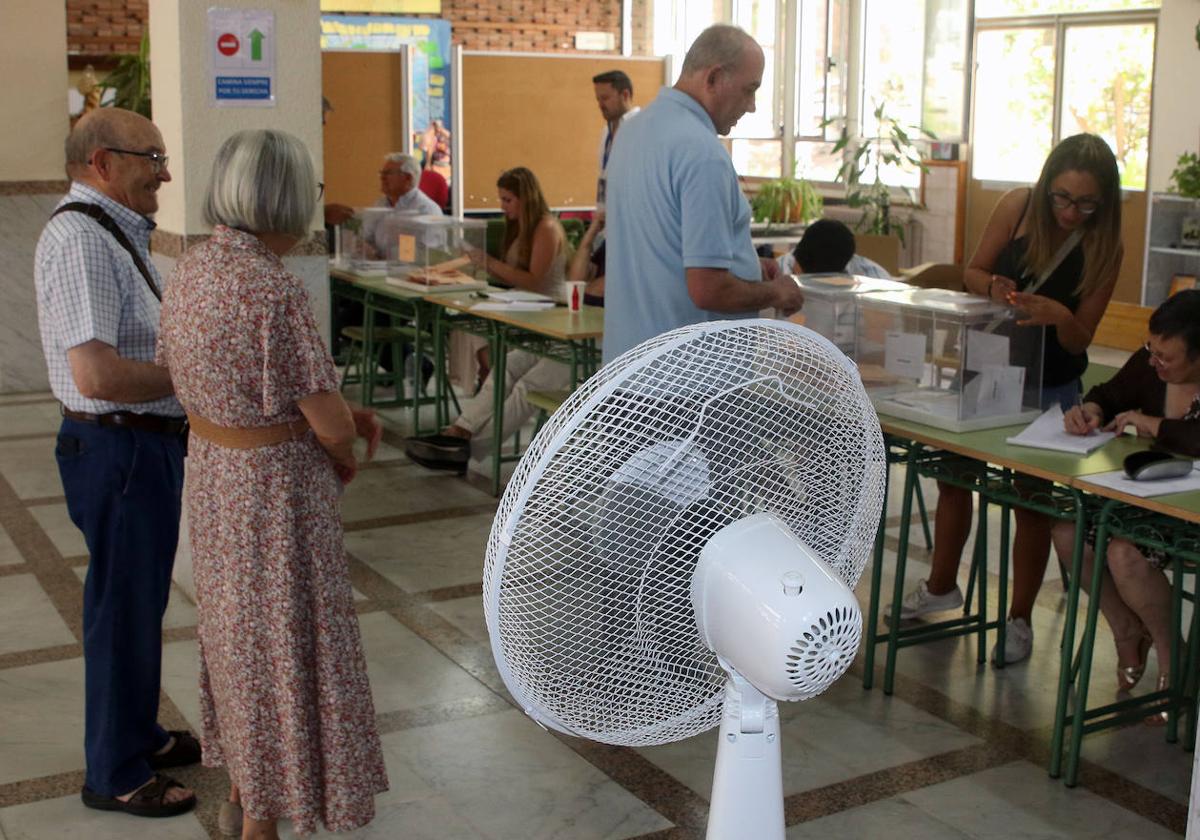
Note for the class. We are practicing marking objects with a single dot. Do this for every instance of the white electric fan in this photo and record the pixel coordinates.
(678, 546)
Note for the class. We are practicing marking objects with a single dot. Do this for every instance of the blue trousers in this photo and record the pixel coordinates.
(124, 489)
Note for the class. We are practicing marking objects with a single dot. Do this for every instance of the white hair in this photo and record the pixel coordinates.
(408, 164)
(262, 182)
(721, 45)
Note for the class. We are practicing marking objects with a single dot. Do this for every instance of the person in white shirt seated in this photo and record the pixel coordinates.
(399, 181)
(821, 250)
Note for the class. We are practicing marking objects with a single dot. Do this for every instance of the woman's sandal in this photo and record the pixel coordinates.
(1129, 675)
(150, 800)
(229, 819)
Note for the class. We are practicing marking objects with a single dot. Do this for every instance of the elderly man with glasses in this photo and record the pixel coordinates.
(120, 450)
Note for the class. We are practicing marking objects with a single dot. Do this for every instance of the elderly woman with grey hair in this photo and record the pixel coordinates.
(285, 702)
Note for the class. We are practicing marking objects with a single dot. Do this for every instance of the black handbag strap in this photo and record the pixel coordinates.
(106, 222)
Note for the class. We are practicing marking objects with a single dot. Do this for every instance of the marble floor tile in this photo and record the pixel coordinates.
(466, 614)
(1142, 754)
(181, 612)
(1019, 800)
(485, 766)
(28, 620)
(66, 817)
(886, 818)
(30, 468)
(57, 524)
(841, 734)
(9, 555)
(181, 679)
(406, 672)
(375, 493)
(425, 555)
(42, 709)
(36, 418)
(28, 396)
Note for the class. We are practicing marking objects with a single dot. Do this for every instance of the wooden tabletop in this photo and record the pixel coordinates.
(556, 322)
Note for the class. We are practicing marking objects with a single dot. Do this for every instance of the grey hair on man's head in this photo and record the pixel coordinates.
(721, 45)
(408, 164)
(262, 182)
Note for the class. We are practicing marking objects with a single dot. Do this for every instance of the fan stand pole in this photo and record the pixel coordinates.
(747, 792)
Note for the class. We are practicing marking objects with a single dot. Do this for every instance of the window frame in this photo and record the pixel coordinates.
(1057, 23)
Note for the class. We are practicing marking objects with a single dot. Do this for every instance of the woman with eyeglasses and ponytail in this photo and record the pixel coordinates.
(1053, 251)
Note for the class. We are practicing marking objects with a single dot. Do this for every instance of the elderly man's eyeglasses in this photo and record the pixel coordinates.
(158, 161)
(1086, 206)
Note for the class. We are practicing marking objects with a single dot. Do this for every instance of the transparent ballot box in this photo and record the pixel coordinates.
(432, 253)
(367, 242)
(948, 359)
(831, 304)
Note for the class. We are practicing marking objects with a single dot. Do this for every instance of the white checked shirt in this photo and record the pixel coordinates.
(88, 287)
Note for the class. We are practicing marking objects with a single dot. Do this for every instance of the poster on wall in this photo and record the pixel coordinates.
(241, 58)
(430, 43)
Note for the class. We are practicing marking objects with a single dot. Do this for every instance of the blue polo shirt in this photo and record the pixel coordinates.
(673, 203)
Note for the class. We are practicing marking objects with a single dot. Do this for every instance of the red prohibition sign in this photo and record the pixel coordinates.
(228, 44)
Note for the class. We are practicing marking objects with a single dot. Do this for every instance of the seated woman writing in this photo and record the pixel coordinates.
(1135, 595)
(536, 254)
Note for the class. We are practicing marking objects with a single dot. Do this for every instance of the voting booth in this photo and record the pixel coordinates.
(948, 359)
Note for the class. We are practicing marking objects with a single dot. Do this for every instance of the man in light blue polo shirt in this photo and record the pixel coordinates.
(679, 249)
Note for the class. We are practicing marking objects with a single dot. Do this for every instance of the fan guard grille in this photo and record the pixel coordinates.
(588, 569)
(825, 651)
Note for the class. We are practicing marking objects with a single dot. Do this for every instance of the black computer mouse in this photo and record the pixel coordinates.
(1151, 465)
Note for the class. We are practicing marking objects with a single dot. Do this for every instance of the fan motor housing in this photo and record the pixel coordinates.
(774, 610)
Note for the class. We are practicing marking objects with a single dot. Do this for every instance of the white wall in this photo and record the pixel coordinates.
(1175, 117)
(33, 100)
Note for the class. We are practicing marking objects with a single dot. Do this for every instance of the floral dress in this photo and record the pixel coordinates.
(284, 696)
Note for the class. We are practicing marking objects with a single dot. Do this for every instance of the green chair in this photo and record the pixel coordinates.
(364, 372)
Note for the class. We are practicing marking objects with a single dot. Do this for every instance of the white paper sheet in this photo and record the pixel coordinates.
(512, 306)
(1000, 390)
(514, 295)
(1117, 480)
(985, 348)
(1047, 432)
(904, 354)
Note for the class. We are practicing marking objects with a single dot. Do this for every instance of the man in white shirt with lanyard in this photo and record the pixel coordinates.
(119, 450)
(614, 95)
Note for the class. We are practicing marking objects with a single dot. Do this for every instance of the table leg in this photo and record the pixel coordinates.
(1067, 653)
(499, 361)
(369, 361)
(876, 582)
(910, 479)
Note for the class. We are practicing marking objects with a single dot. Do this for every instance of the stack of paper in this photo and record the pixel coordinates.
(512, 306)
(1117, 480)
(1047, 432)
(515, 295)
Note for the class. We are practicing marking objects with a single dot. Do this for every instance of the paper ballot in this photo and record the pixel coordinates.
(904, 354)
(1047, 432)
(985, 348)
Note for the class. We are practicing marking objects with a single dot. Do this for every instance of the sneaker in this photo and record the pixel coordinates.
(1018, 642)
(921, 601)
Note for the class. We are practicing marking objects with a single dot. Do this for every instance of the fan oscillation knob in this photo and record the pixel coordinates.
(793, 583)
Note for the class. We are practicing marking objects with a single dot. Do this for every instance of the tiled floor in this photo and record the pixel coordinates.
(959, 751)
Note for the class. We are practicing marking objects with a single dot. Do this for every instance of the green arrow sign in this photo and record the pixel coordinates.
(256, 39)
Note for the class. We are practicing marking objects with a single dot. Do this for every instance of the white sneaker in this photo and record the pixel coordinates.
(921, 601)
(1018, 642)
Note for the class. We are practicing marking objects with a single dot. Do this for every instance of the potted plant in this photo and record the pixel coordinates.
(130, 80)
(786, 200)
(1185, 180)
(893, 144)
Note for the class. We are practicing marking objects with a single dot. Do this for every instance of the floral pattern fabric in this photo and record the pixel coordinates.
(285, 701)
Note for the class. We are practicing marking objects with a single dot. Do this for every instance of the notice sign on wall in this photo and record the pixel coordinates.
(241, 57)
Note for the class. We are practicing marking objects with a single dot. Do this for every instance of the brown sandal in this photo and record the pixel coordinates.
(150, 800)
(185, 751)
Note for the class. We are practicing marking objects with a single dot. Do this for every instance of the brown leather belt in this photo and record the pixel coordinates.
(247, 437)
(127, 419)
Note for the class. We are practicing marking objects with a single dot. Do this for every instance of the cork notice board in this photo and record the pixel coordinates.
(539, 112)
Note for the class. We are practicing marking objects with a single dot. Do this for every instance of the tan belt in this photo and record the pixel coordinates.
(247, 437)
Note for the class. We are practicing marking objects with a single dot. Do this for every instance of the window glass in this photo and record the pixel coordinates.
(816, 162)
(1106, 91)
(757, 158)
(1014, 103)
(811, 64)
(945, 72)
(1017, 8)
(757, 17)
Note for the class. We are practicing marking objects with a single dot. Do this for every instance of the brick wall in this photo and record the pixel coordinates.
(101, 27)
(97, 28)
(529, 25)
